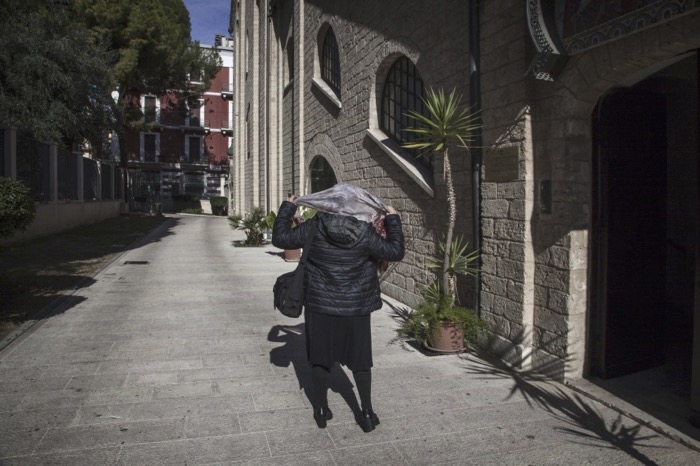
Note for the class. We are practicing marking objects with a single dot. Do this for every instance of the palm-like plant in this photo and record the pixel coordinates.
(460, 262)
(443, 127)
(252, 224)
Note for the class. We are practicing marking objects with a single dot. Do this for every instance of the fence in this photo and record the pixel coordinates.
(70, 189)
(53, 174)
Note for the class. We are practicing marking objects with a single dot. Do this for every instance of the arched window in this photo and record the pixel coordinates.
(322, 175)
(403, 91)
(330, 62)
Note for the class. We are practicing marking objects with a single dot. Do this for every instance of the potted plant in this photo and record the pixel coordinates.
(253, 226)
(445, 126)
(437, 322)
(439, 325)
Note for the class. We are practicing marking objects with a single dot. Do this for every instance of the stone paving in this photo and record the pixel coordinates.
(174, 355)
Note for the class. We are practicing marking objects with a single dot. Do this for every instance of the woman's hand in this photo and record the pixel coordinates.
(390, 210)
(292, 198)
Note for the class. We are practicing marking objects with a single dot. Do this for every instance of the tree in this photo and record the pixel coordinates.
(153, 54)
(442, 127)
(54, 80)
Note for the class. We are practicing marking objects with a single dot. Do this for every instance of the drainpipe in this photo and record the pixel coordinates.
(476, 152)
(270, 12)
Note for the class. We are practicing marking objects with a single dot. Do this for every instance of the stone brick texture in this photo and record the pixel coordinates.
(535, 266)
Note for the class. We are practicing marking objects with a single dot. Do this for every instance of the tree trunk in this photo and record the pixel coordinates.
(448, 284)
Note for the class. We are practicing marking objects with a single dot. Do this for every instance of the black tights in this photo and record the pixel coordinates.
(363, 380)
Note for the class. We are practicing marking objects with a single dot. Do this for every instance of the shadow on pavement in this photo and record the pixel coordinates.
(584, 421)
(294, 352)
(581, 418)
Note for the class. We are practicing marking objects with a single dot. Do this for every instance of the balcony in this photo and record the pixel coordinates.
(226, 92)
(194, 125)
(226, 129)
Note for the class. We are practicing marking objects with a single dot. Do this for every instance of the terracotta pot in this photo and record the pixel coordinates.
(292, 255)
(448, 338)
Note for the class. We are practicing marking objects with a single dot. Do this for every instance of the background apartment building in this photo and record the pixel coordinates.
(585, 178)
(185, 152)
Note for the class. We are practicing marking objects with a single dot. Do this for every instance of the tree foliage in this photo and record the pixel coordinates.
(153, 52)
(60, 61)
(54, 79)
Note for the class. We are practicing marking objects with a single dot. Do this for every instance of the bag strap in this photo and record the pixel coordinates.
(307, 243)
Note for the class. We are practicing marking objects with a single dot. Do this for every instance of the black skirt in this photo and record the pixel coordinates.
(343, 339)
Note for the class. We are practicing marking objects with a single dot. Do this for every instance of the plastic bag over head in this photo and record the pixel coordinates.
(346, 199)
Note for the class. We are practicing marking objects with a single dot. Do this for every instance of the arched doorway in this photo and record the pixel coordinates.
(322, 175)
(645, 223)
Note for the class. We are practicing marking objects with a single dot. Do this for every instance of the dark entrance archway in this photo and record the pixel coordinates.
(630, 224)
(322, 175)
(645, 223)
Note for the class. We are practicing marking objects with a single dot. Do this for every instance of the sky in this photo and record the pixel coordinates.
(208, 18)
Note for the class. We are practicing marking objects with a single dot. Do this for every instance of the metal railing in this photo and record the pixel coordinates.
(54, 174)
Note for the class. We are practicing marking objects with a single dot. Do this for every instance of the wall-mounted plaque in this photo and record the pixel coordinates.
(501, 164)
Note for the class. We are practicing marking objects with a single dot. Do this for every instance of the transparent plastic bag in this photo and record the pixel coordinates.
(347, 199)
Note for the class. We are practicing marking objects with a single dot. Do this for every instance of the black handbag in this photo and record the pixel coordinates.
(289, 287)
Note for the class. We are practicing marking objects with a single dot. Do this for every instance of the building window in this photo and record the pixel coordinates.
(149, 147)
(194, 149)
(149, 108)
(403, 91)
(193, 115)
(330, 62)
(322, 175)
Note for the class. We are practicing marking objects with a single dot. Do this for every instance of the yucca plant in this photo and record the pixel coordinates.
(443, 127)
(460, 261)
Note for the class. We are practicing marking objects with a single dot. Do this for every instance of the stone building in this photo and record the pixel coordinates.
(581, 191)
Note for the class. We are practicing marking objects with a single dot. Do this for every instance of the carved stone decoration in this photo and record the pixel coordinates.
(550, 57)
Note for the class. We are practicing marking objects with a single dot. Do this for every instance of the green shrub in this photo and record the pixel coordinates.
(17, 207)
(219, 205)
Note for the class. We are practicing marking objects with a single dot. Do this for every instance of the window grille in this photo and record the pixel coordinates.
(330, 62)
(403, 91)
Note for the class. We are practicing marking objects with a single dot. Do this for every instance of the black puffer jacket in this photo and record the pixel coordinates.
(341, 269)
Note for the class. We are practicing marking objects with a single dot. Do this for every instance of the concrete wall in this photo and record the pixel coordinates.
(54, 217)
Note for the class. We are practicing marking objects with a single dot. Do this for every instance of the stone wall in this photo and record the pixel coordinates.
(436, 40)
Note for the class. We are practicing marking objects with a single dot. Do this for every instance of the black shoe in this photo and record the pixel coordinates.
(368, 420)
(322, 415)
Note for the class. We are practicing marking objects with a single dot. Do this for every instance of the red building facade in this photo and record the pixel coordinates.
(186, 150)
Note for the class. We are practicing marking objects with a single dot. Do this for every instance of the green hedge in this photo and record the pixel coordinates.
(17, 207)
(219, 205)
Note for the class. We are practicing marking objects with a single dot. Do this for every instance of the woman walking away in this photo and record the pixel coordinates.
(341, 284)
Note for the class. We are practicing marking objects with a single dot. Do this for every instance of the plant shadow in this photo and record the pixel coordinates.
(536, 386)
(581, 417)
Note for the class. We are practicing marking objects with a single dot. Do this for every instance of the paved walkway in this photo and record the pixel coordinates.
(174, 355)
